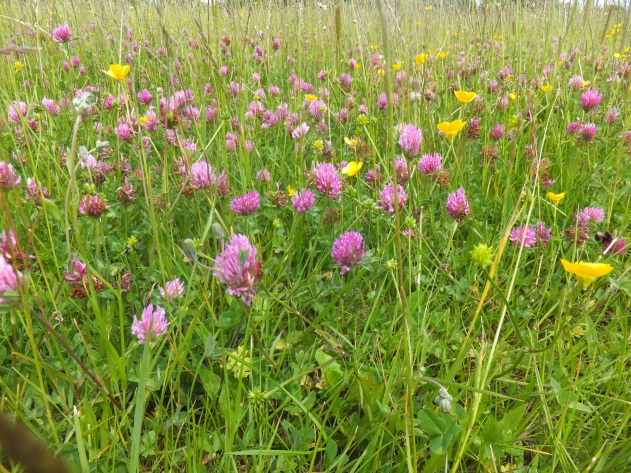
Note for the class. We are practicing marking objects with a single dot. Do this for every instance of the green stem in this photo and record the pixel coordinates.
(410, 444)
(139, 412)
(72, 188)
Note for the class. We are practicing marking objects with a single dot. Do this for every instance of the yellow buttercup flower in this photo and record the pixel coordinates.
(420, 59)
(418, 23)
(555, 198)
(586, 83)
(513, 96)
(456, 34)
(618, 56)
(310, 98)
(352, 168)
(546, 88)
(443, 54)
(586, 273)
(429, 8)
(17, 66)
(351, 142)
(627, 49)
(397, 65)
(118, 72)
(464, 97)
(451, 129)
(381, 73)
(497, 36)
(290, 191)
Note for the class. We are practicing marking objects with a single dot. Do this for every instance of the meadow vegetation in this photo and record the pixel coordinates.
(298, 236)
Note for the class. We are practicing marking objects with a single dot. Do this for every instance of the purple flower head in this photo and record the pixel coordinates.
(263, 175)
(497, 132)
(573, 127)
(543, 234)
(223, 185)
(473, 130)
(612, 115)
(410, 141)
(124, 131)
(35, 191)
(10, 281)
(234, 88)
(575, 82)
(75, 61)
(401, 167)
(17, 111)
(154, 320)
(62, 33)
(317, 109)
(238, 269)
(457, 204)
(524, 237)
(8, 177)
(211, 113)
(492, 86)
(618, 247)
(173, 290)
(373, 175)
(587, 132)
(51, 106)
(387, 202)
(327, 180)
(589, 214)
(504, 73)
(8, 244)
(76, 271)
(348, 250)
(430, 163)
(382, 101)
(92, 205)
(303, 200)
(232, 141)
(345, 82)
(591, 99)
(246, 204)
(145, 97)
(300, 131)
(202, 175)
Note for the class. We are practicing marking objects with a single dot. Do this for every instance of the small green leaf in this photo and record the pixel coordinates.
(51, 208)
(331, 370)
(210, 345)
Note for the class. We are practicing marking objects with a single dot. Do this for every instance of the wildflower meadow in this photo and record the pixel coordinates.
(281, 236)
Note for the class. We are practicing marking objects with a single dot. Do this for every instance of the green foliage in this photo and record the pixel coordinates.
(323, 371)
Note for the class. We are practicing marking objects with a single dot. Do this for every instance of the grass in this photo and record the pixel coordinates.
(323, 371)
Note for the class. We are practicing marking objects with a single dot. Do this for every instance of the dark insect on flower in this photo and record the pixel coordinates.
(604, 237)
(611, 246)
